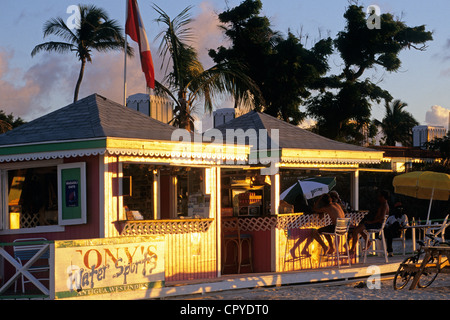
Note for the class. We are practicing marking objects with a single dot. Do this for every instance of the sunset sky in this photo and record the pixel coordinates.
(31, 87)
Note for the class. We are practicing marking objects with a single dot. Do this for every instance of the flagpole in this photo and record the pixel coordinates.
(125, 59)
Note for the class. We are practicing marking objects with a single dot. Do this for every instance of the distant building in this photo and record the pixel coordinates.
(422, 134)
(157, 107)
(401, 159)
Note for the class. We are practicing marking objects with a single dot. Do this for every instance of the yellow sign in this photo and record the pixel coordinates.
(108, 266)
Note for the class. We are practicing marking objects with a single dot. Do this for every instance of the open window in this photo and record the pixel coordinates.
(32, 197)
(48, 195)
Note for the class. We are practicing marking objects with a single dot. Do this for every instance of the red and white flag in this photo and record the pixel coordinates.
(134, 27)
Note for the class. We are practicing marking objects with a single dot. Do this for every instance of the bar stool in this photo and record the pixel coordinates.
(231, 233)
(340, 231)
(371, 233)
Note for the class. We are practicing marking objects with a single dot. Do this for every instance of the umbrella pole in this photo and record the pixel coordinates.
(429, 207)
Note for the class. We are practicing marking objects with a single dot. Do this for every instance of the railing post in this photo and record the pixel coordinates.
(52, 272)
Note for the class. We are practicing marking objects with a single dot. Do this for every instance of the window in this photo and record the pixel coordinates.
(190, 196)
(139, 199)
(182, 192)
(43, 197)
(32, 197)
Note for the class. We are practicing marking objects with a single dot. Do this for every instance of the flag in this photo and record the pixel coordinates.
(134, 27)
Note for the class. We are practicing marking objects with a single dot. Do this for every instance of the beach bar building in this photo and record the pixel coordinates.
(282, 231)
(110, 192)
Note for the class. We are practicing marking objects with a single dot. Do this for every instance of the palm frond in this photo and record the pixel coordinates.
(225, 79)
(59, 47)
(57, 27)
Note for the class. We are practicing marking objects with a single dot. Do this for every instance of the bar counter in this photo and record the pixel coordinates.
(190, 245)
(275, 237)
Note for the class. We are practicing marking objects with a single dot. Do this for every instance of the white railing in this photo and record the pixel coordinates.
(291, 221)
(43, 247)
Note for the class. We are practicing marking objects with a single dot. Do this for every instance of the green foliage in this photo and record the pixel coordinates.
(282, 68)
(443, 146)
(349, 98)
(188, 80)
(8, 122)
(397, 124)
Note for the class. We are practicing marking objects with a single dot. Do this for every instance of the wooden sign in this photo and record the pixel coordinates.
(109, 266)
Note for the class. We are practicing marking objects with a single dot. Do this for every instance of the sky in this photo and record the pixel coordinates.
(34, 86)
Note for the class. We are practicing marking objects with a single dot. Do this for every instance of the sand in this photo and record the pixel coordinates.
(439, 290)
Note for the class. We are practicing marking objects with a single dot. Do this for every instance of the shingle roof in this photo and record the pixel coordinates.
(89, 118)
(290, 136)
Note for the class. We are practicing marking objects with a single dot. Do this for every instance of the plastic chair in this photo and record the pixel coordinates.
(371, 233)
(439, 232)
(24, 253)
(402, 238)
(231, 233)
(341, 230)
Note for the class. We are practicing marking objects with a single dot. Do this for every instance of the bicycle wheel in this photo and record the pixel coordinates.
(402, 276)
(427, 277)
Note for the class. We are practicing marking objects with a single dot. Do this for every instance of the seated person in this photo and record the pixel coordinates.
(394, 225)
(322, 206)
(374, 222)
(337, 199)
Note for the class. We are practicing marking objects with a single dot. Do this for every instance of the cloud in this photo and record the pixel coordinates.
(49, 83)
(23, 92)
(208, 35)
(437, 116)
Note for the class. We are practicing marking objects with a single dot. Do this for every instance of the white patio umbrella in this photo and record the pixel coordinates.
(309, 188)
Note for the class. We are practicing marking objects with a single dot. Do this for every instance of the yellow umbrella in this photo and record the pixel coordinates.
(423, 185)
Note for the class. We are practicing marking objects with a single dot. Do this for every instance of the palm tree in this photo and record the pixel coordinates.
(397, 124)
(95, 32)
(8, 122)
(5, 126)
(189, 81)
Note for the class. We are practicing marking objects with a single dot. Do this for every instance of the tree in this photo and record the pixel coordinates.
(397, 124)
(443, 146)
(281, 67)
(94, 32)
(349, 97)
(7, 122)
(189, 81)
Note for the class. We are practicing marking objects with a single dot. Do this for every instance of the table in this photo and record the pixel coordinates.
(444, 266)
(424, 227)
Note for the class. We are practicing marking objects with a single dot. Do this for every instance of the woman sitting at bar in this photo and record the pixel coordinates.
(325, 205)
(374, 221)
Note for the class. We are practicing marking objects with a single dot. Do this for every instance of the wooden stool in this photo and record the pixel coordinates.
(231, 234)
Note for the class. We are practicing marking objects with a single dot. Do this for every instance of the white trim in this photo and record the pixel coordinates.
(217, 157)
(50, 142)
(30, 165)
(4, 212)
(52, 155)
(3, 197)
(82, 195)
(101, 195)
(40, 229)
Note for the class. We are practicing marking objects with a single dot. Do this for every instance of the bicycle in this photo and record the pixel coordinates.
(408, 268)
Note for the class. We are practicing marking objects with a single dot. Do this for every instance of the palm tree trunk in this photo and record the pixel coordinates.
(184, 115)
(80, 78)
